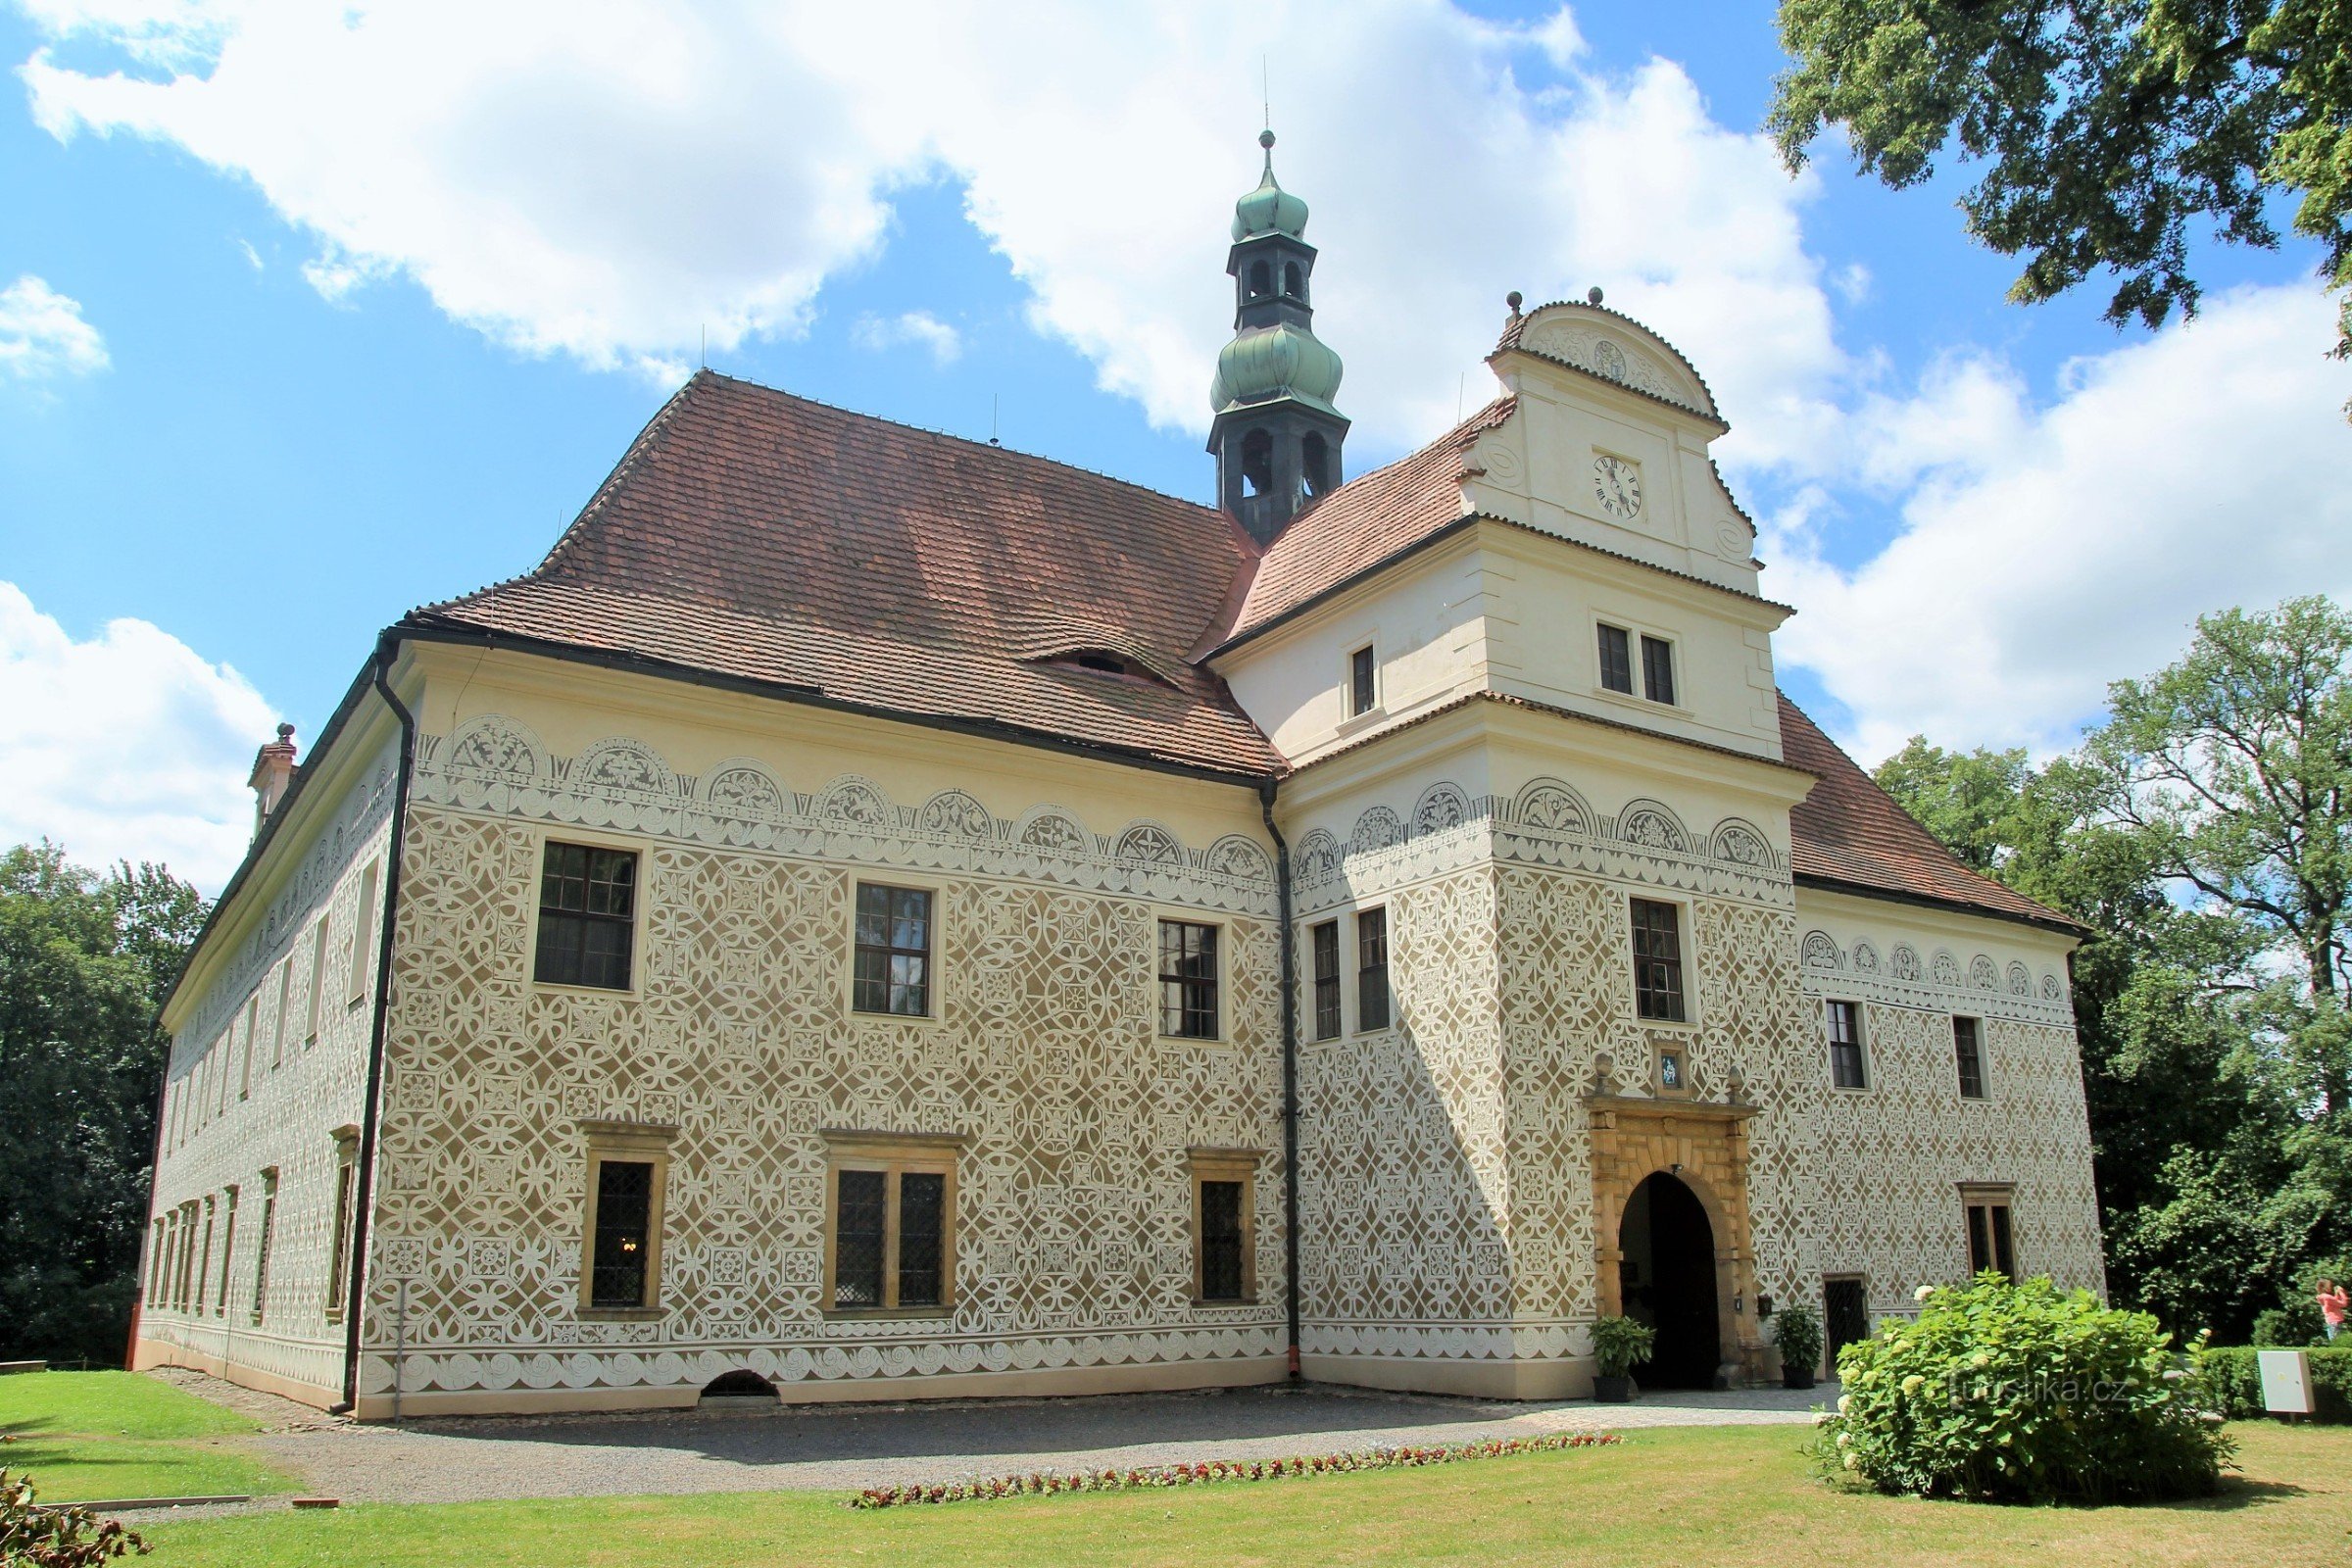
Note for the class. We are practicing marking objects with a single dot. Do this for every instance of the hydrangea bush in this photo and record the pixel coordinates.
(2024, 1394)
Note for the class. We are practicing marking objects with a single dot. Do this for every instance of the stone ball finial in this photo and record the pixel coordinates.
(1592, 295)
(1513, 299)
(285, 732)
(1265, 139)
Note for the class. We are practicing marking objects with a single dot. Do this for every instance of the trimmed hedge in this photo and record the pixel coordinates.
(2235, 1378)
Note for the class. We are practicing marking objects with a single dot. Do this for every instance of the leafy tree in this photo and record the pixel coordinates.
(84, 963)
(2204, 833)
(2104, 127)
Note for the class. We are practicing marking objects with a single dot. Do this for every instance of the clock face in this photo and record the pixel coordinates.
(1617, 484)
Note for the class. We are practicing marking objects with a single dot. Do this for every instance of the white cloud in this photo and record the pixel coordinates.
(126, 746)
(42, 335)
(609, 180)
(2045, 549)
(919, 328)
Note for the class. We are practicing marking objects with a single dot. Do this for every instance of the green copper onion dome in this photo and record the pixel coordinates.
(1281, 361)
(1269, 209)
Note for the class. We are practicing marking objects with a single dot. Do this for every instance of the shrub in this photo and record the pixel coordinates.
(2023, 1394)
(32, 1536)
(2234, 1377)
(1619, 1344)
(1798, 1332)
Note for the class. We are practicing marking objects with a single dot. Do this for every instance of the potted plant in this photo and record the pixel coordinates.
(1796, 1330)
(1618, 1344)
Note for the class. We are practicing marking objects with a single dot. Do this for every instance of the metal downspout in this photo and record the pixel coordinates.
(364, 1186)
(1290, 1070)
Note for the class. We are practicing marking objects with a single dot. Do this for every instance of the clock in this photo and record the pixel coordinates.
(1617, 484)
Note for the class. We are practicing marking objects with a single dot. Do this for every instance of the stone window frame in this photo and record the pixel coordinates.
(1984, 1058)
(230, 1196)
(1861, 1044)
(1686, 962)
(263, 1242)
(935, 961)
(593, 839)
(1221, 997)
(638, 1142)
(343, 1194)
(1212, 1164)
(896, 1155)
(1316, 980)
(1990, 1195)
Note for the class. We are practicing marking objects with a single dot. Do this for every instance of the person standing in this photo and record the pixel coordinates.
(2335, 1306)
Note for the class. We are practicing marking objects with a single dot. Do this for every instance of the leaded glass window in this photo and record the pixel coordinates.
(622, 1246)
(1221, 1242)
(922, 1204)
(861, 1234)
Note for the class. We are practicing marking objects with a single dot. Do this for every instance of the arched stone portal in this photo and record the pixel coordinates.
(1668, 1281)
(1702, 1148)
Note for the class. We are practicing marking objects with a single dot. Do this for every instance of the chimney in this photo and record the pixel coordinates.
(273, 775)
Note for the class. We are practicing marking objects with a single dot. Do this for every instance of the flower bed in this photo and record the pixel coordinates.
(1037, 1484)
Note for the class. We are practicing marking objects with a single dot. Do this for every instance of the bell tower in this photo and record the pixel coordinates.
(1276, 434)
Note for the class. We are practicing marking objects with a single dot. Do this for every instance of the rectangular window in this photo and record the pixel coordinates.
(253, 1026)
(1657, 669)
(309, 1024)
(260, 1260)
(1371, 970)
(587, 916)
(1325, 940)
(1657, 961)
(338, 1263)
(621, 1247)
(890, 1240)
(1224, 1230)
(1968, 1049)
(228, 1251)
(155, 1262)
(363, 935)
(1220, 1241)
(1847, 1068)
(204, 1259)
(1617, 660)
(1989, 1242)
(1187, 980)
(285, 1014)
(1363, 681)
(894, 950)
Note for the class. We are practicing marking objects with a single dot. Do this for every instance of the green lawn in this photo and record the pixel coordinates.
(118, 1435)
(1722, 1496)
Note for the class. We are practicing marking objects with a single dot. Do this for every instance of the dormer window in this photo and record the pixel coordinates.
(1104, 662)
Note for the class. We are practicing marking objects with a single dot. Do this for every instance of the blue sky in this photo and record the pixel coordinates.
(316, 319)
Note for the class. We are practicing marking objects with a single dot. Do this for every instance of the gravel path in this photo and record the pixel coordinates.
(844, 1447)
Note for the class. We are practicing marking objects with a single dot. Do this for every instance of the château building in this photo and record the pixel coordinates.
(888, 916)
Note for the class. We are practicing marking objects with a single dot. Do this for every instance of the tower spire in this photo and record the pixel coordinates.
(1277, 433)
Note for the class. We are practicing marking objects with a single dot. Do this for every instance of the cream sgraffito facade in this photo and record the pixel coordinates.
(262, 1080)
(1076, 1117)
(1563, 719)
(1898, 1153)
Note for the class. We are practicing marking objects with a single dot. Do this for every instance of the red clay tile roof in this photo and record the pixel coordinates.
(1365, 521)
(1851, 832)
(764, 537)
